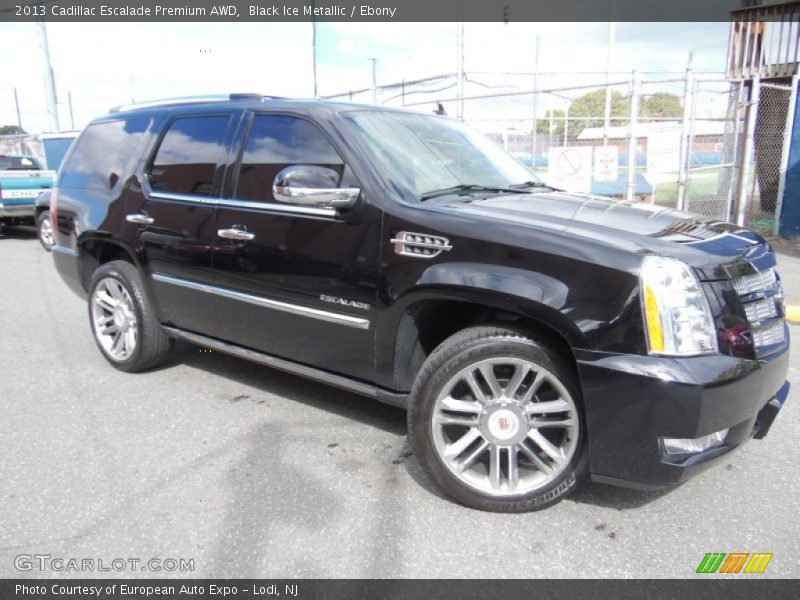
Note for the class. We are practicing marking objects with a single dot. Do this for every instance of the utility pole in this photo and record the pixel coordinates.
(684, 152)
(612, 31)
(747, 150)
(16, 103)
(49, 79)
(536, 97)
(461, 75)
(71, 115)
(632, 139)
(314, 49)
(374, 81)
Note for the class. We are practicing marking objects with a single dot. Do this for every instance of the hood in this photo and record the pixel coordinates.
(712, 247)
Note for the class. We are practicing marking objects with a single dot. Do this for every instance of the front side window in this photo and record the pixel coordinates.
(278, 141)
(191, 156)
(103, 153)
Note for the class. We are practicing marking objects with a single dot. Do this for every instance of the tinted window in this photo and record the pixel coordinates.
(103, 154)
(189, 156)
(275, 142)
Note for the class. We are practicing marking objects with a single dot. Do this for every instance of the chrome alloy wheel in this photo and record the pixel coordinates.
(46, 233)
(114, 319)
(505, 426)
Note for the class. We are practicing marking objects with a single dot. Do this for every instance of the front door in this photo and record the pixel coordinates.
(169, 217)
(300, 282)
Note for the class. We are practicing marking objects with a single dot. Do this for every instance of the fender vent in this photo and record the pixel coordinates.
(419, 245)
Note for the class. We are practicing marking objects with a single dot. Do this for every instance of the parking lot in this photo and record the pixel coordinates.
(251, 472)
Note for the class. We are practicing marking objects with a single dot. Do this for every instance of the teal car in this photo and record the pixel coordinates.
(22, 179)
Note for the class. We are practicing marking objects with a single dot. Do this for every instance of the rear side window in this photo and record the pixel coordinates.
(278, 141)
(103, 154)
(191, 156)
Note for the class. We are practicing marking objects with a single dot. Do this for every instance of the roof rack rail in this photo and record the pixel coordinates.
(189, 100)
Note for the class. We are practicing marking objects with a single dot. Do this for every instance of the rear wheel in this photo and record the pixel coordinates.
(44, 229)
(123, 322)
(496, 421)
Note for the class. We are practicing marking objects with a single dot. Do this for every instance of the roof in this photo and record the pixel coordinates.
(246, 100)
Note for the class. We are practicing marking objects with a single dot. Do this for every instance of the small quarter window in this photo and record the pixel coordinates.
(278, 141)
(103, 153)
(191, 156)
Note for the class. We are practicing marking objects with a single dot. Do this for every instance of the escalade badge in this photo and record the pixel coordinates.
(344, 302)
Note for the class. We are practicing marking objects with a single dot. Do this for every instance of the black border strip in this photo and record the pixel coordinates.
(371, 10)
(707, 588)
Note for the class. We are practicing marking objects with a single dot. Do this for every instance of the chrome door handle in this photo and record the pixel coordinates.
(236, 234)
(140, 219)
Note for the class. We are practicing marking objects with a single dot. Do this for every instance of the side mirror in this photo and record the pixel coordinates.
(312, 185)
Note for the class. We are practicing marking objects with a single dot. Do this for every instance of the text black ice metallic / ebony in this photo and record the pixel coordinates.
(536, 337)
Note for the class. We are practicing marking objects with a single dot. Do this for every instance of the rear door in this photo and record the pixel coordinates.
(169, 216)
(301, 283)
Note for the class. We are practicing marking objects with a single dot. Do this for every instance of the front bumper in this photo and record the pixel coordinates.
(631, 402)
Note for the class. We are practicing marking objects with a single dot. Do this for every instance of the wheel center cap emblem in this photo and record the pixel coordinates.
(503, 424)
(120, 319)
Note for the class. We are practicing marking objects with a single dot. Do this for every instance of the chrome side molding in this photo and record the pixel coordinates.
(296, 309)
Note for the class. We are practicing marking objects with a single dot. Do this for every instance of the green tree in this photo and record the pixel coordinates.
(555, 127)
(11, 130)
(589, 110)
(661, 105)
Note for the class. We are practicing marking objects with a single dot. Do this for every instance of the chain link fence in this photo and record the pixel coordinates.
(714, 140)
(672, 139)
(768, 140)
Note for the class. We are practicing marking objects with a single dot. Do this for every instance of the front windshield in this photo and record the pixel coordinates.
(422, 154)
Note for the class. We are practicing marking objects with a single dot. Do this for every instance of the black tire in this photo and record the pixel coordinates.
(152, 345)
(445, 362)
(41, 220)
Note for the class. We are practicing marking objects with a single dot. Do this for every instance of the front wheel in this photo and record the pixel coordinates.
(496, 421)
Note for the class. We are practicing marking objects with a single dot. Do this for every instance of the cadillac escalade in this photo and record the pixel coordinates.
(537, 338)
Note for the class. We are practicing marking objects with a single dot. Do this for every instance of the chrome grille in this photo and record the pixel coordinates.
(755, 282)
(761, 296)
(760, 310)
(771, 334)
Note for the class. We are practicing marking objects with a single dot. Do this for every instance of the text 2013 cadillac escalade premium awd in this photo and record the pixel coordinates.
(536, 337)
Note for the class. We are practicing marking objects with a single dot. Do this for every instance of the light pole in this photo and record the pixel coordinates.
(612, 30)
(49, 79)
(314, 53)
(374, 81)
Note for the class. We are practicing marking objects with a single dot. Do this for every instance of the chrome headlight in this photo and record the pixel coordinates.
(677, 317)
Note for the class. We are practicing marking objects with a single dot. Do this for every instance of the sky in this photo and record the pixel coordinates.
(104, 65)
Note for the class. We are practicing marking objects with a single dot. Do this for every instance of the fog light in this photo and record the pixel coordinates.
(694, 445)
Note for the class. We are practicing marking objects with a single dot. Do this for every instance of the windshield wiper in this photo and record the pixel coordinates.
(468, 187)
(529, 184)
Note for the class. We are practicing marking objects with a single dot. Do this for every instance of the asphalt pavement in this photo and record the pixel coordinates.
(250, 472)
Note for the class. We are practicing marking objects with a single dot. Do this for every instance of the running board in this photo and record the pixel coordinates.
(339, 381)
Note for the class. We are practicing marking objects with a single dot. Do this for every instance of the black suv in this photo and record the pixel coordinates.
(536, 337)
